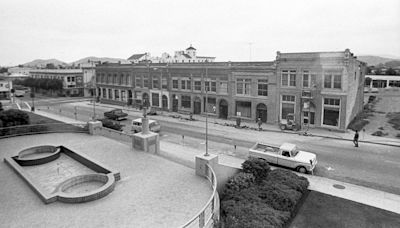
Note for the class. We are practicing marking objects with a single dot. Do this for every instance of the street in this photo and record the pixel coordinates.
(370, 165)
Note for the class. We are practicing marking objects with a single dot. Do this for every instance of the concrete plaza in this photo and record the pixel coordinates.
(153, 191)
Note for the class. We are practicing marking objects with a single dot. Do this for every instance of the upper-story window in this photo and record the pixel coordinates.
(186, 84)
(121, 79)
(288, 78)
(155, 83)
(175, 83)
(309, 79)
(109, 79)
(145, 81)
(210, 85)
(333, 81)
(243, 86)
(138, 81)
(164, 82)
(223, 87)
(262, 87)
(197, 85)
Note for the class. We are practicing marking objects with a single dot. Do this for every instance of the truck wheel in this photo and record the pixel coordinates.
(283, 127)
(301, 169)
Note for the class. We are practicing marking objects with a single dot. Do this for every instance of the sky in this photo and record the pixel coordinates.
(231, 30)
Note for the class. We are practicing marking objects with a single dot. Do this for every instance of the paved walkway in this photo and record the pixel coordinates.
(152, 192)
(376, 198)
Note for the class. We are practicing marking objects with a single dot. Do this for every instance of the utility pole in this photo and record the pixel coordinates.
(250, 43)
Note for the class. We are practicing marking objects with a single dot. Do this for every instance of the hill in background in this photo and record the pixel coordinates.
(376, 60)
(99, 59)
(41, 63)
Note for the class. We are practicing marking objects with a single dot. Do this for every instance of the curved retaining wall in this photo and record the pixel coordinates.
(107, 188)
(48, 154)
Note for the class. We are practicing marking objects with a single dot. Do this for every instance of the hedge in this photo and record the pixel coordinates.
(259, 197)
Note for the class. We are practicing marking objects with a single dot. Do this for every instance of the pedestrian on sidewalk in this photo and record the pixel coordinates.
(355, 140)
(259, 122)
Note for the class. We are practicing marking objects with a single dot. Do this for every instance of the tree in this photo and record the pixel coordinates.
(50, 66)
(390, 71)
(368, 81)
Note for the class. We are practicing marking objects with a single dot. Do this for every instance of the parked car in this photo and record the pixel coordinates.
(115, 125)
(115, 114)
(154, 126)
(286, 155)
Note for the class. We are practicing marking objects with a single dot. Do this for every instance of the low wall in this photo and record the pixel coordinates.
(47, 154)
(113, 134)
(107, 188)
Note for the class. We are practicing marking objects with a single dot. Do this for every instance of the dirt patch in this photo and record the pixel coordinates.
(385, 116)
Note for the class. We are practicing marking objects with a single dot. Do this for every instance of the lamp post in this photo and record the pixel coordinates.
(94, 102)
(206, 88)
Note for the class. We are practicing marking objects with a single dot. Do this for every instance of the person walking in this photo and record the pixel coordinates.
(259, 122)
(355, 140)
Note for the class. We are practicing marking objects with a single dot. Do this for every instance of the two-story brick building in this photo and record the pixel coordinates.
(234, 89)
(321, 89)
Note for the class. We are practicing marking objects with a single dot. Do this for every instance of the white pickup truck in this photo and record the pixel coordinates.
(286, 155)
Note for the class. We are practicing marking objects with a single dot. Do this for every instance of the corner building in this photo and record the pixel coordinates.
(322, 89)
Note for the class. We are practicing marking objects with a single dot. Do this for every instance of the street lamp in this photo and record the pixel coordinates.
(206, 88)
(94, 102)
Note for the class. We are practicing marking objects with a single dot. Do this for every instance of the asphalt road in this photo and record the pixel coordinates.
(369, 165)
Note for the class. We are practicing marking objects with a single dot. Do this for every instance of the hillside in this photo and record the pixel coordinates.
(43, 62)
(376, 60)
(102, 59)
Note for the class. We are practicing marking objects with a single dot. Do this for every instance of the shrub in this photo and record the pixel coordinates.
(289, 179)
(256, 166)
(243, 214)
(379, 133)
(237, 183)
(14, 117)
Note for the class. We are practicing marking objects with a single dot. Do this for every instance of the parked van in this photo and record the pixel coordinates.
(154, 126)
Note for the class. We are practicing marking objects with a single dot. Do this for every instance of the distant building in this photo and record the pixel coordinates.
(384, 81)
(138, 58)
(5, 89)
(187, 56)
(322, 89)
(72, 79)
(19, 70)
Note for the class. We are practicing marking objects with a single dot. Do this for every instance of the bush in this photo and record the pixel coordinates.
(238, 182)
(268, 202)
(14, 117)
(253, 215)
(256, 166)
(379, 133)
(289, 179)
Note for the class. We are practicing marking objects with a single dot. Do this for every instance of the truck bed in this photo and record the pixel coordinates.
(265, 148)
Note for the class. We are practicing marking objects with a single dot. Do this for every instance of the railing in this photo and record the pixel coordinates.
(32, 129)
(208, 212)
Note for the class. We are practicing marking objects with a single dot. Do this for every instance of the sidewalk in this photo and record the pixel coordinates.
(368, 196)
(215, 124)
